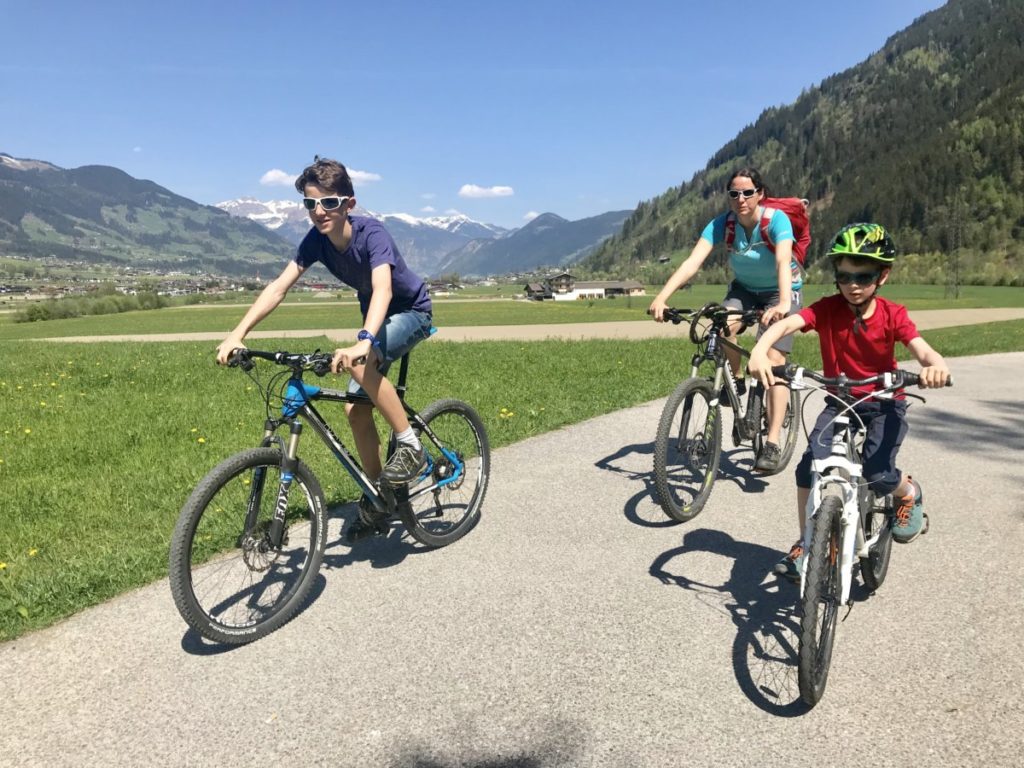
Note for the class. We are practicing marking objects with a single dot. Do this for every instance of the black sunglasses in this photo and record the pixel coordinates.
(858, 278)
(327, 203)
(746, 193)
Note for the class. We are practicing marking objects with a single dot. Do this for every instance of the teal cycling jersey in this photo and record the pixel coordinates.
(752, 261)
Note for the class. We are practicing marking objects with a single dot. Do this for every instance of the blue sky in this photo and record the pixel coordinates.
(496, 110)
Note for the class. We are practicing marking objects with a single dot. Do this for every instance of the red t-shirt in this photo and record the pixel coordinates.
(865, 353)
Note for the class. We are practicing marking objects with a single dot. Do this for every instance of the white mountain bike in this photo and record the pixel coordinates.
(844, 520)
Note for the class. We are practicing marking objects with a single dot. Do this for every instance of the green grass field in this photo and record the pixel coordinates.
(100, 444)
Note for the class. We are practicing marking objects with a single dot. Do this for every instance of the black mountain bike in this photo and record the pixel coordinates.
(688, 446)
(250, 539)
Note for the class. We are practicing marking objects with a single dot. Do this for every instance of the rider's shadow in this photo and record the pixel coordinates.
(763, 610)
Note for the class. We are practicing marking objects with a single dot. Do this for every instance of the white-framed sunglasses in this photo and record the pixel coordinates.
(332, 203)
(746, 193)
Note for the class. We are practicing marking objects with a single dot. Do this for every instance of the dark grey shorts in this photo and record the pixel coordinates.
(738, 297)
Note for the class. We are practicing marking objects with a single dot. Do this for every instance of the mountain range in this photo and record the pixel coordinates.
(423, 242)
(925, 136)
(98, 214)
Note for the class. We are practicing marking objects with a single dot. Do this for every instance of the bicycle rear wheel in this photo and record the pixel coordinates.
(459, 469)
(820, 601)
(687, 449)
(231, 581)
(788, 435)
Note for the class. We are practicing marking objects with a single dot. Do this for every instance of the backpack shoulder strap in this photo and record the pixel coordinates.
(730, 229)
(766, 219)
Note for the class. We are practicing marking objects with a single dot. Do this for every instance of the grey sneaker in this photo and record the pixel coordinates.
(768, 461)
(369, 523)
(789, 566)
(405, 465)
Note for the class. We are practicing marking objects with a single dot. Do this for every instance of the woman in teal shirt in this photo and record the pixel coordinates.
(763, 279)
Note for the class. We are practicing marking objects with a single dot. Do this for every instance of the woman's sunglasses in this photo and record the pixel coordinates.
(327, 203)
(746, 193)
(858, 278)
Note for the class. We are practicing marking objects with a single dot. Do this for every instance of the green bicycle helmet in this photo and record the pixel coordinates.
(869, 241)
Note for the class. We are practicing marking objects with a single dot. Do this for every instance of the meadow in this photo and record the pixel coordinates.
(100, 444)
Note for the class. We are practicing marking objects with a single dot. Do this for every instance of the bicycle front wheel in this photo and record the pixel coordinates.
(444, 502)
(820, 602)
(235, 575)
(788, 435)
(687, 449)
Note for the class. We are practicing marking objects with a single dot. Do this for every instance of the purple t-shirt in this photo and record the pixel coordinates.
(371, 246)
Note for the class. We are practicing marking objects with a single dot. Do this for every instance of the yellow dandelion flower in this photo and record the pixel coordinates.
(28, 430)
(194, 429)
(3, 566)
(42, 403)
(201, 440)
(33, 551)
(53, 383)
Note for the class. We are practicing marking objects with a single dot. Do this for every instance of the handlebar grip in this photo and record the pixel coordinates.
(239, 359)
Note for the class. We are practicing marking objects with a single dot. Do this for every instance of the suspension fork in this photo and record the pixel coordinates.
(289, 460)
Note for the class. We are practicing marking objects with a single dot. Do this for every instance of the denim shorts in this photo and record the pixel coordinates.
(738, 297)
(886, 427)
(399, 334)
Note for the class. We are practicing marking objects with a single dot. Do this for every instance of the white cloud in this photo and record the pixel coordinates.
(453, 212)
(277, 178)
(530, 215)
(136, 149)
(428, 209)
(472, 190)
(362, 177)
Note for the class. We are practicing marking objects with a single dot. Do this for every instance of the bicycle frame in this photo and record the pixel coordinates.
(298, 406)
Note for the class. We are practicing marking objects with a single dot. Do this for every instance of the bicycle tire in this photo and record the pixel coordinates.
(788, 435)
(447, 513)
(877, 520)
(686, 460)
(820, 601)
(230, 585)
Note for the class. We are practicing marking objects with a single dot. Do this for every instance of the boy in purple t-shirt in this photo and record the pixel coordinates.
(858, 330)
(396, 315)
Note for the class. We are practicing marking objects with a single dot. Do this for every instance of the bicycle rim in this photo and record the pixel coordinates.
(445, 502)
(231, 582)
(687, 450)
(820, 603)
(874, 567)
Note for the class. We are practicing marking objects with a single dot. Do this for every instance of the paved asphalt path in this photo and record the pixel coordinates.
(575, 627)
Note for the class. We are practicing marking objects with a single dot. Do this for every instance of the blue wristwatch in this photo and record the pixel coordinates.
(365, 335)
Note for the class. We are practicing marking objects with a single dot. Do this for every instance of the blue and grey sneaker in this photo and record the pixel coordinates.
(789, 566)
(909, 520)
(405, 465)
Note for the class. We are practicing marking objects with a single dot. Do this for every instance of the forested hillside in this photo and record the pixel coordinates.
(926, 136)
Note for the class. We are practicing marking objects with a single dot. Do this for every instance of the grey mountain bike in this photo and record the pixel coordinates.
(251, 537)
(688, 445)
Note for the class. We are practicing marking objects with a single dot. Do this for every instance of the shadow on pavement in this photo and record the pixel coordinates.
(764, 610)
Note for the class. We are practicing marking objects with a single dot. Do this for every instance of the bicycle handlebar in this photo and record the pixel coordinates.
(890, 380)
(318, 362)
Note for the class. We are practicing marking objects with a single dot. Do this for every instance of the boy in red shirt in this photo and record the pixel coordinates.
(858, 331)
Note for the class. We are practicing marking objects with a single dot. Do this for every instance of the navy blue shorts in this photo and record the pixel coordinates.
(886, 425)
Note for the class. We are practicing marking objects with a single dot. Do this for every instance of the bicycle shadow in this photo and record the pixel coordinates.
(379, 551)
(764, 611)
(620, 462)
